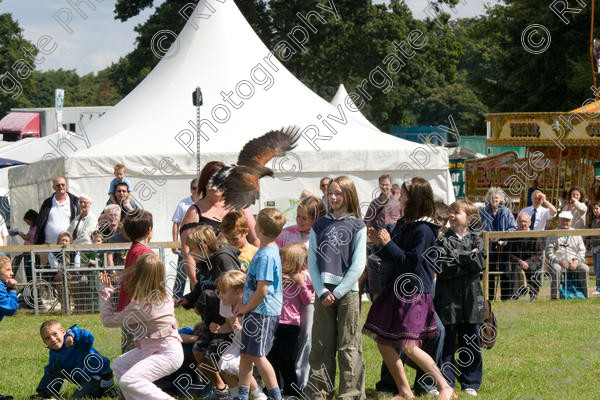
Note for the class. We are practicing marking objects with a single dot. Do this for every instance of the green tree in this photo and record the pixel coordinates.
(89, 90)
(508, 78)
(458, 100)
(16, 67)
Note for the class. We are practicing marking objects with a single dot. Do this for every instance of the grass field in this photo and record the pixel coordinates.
(535, 340)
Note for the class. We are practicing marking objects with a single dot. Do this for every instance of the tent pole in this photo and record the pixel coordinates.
(197, 101)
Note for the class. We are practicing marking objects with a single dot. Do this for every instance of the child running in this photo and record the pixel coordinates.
(459, 299)
(336, 259)
(262, 305)
(402, 313)
(297, 293)
(150, 317)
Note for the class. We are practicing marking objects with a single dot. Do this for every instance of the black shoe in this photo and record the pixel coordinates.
(3, 397)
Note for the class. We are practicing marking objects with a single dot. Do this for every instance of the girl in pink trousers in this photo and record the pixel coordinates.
(150, 318)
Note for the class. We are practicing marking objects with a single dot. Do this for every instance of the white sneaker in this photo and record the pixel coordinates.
(595, 292)
(260, 396)
(471, 392)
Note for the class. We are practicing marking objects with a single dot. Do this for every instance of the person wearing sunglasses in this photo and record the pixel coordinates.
(57, 213)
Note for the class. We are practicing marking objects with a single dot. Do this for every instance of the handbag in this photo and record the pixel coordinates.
(570, 291)
(488, 331)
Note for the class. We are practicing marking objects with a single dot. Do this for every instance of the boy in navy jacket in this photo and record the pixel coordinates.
(8, 297)
(72, 356)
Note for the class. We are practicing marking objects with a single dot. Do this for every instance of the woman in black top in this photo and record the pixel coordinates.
(208, 210)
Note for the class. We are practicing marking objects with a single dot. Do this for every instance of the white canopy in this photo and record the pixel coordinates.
(247, 92)
(341, 97)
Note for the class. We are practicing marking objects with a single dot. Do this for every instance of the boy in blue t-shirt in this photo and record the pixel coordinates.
(8, 296)
(72, 355)
(120, 172)
(261, 305)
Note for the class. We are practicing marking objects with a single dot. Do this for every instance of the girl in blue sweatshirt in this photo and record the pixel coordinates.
(403, 313)
(8, 297)
(336, 259)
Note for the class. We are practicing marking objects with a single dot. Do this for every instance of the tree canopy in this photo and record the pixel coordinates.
(467, 67)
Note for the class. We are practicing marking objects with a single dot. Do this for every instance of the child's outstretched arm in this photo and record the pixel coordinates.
(108, 317)
(81, 336)
(359, 258)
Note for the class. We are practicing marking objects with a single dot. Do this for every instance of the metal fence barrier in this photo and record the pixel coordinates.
(539, 264)
(66, 279)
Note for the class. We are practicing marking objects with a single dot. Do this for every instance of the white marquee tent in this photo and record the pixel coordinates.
(340, 97)
(148, 129)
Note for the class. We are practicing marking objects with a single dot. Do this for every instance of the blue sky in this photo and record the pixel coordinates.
(99, 40)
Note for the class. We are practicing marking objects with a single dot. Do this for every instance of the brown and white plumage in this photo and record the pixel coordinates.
(240, 182)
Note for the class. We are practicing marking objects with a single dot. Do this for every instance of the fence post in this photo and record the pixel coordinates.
(66, 302)
(36, 295)
(486, 273)
(161, 253)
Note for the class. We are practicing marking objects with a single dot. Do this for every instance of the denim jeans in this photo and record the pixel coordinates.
(52, 382)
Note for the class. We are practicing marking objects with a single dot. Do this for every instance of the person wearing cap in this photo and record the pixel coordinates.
(84, 223)
(566, 253)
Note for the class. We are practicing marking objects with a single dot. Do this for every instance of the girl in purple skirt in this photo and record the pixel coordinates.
(402, 313)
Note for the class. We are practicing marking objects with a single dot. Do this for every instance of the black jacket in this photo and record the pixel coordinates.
(42, 219)
(204, 295)
(524, 249)
(458, 293)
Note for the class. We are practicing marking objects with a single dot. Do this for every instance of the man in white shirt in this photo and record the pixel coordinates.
(540, 211)
(56, 213)
(182, 207)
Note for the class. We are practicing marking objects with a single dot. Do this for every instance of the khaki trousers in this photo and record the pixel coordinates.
(337, 328)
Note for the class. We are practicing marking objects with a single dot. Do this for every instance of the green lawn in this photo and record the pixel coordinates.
(533, 340)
